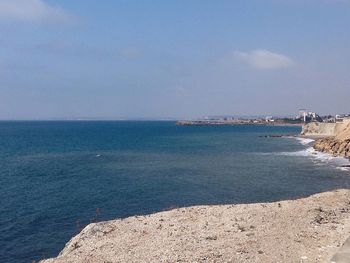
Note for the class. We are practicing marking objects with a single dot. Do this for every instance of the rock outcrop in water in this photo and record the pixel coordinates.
(336, 137)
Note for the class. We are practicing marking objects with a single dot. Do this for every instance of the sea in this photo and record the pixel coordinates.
(58, 176)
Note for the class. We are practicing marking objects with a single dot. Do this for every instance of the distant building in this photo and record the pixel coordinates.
(342, 117)
(269, 119)
(308, 116)
(302, 114)
(338, 118)
(329, 119)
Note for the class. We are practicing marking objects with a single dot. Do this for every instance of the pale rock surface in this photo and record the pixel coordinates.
(335, 137)
(304, 230)
(340, 130)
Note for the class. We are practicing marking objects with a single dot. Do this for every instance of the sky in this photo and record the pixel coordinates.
(122, 59)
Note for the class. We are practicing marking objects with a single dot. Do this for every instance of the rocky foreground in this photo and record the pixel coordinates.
(304, 230)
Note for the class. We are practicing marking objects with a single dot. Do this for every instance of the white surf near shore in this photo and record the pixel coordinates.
(304, 141)
(318, 157)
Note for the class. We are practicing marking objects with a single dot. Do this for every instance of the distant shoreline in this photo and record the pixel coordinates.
(232, 123)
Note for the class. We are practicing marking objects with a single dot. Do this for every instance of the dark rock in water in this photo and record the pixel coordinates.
(271, 136)
(346, 166)
(276, 136)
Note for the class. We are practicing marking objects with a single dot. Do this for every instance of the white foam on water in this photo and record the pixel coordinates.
(304, 141)
(343, 169)
(318, 158)
(303, 153)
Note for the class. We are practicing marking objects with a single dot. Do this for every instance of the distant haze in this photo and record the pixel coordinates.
(63, 59)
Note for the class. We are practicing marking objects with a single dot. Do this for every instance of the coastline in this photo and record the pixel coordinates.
(310, 229)
(304, 230)
(336, 161)
(232, 123)
(331, 138)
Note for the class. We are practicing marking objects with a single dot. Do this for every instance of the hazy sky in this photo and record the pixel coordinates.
(179, 58)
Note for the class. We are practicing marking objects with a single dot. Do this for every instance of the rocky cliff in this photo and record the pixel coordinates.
(335, 137)
(341, 130)
(333, 146)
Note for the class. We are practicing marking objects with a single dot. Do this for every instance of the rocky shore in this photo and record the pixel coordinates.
(333, 138)
(305, 230)
(333, 146)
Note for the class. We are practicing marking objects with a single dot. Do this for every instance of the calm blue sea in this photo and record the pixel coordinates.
(56, 177)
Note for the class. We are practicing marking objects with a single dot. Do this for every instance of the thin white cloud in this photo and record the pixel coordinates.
(264, 59)
(32, 10)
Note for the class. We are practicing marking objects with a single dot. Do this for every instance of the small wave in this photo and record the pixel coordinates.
(319, 158)
(307, 152)
(298, 153)
(343, 169)
(304, 141)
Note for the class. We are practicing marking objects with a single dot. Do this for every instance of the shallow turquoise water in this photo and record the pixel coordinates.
(56, 177)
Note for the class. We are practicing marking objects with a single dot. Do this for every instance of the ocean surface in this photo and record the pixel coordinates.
(56, 177)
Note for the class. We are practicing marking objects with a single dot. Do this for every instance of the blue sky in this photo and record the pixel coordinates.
(181, 59)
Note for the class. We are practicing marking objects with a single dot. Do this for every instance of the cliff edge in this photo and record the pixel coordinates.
(339, 130)
(334, 137)
(305, 230)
